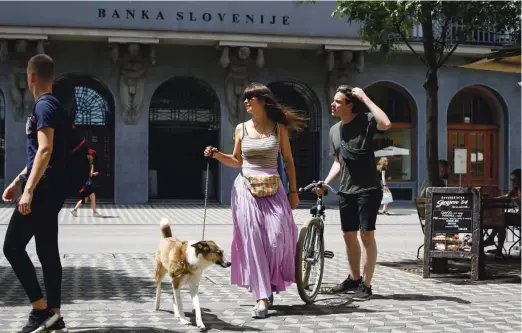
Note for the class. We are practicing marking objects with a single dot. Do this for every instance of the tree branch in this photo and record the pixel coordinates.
(443, 35)
(409, 45)
(442, 61)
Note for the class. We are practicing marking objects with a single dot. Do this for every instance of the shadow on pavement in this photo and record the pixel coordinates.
(83, 284)
(121, 330)
(498, 271)
(317, 310)
(421, 298)
(212, 321)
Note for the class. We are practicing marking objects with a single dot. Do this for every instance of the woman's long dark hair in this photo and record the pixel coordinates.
(276, 112)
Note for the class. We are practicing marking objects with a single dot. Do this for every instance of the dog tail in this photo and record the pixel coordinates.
(165, 228)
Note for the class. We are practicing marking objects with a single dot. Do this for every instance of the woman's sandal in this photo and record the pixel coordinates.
(260, 311)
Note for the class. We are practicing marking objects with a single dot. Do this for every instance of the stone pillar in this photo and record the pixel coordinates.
(132, 62)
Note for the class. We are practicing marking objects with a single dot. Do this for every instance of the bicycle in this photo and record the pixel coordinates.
(310, 247)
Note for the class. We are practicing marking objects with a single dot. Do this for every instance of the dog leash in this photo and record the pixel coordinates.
(206, 198)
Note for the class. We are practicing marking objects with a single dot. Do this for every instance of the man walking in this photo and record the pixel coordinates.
(42, 198)
(351, 144)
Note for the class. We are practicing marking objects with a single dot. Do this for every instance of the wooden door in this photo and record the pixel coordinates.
(482, 156)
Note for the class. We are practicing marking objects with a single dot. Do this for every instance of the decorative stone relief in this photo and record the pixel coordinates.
(4, 51)
(133, 69)
(237, 79)
(23, 100)
(338, 66)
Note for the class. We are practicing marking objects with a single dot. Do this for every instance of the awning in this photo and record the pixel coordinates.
(392, 151)
(508, 64)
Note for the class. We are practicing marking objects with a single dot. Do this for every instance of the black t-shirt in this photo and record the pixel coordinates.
(361, 175)
(47, 113)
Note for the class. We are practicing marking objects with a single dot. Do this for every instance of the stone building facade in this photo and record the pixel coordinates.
(153, 83)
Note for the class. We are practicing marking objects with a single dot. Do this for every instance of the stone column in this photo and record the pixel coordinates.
(132, 62)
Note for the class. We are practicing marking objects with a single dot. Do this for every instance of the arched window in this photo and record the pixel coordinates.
(306, 145)
(184, 118)
(91, 107)
(184, 101)
(396, 143)
(470, 107)
(91, 104)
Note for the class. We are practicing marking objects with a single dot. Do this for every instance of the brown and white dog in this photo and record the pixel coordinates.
(184, 262)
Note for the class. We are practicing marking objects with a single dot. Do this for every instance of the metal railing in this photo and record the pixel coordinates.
(478, 37)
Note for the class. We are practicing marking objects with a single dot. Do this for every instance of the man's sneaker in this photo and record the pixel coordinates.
(58, 327)
(74, 212)
(364, 293)
(39, 320)
(96, 214)
(347, 285)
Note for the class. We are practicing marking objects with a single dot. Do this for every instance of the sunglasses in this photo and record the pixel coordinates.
(249, 96)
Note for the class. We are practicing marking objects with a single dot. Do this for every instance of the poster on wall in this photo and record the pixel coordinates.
(460, 163)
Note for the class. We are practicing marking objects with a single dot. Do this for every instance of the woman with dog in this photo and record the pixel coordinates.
(265, 234)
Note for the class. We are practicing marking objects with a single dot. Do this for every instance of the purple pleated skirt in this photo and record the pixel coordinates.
(264, 239)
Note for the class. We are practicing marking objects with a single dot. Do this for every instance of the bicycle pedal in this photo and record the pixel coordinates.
(328, 254)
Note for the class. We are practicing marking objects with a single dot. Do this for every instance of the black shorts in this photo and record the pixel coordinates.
(359, 211)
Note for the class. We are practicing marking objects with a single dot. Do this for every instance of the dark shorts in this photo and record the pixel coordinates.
(359, 211)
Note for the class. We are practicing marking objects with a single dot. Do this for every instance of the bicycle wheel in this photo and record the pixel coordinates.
(309, 264)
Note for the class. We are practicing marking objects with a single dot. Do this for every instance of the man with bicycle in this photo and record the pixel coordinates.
(360, 191)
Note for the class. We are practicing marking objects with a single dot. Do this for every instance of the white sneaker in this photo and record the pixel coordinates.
(96, 214)
(74, 212)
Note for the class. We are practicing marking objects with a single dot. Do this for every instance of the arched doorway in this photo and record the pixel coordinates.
(92, 105)
(473, 123)
(184, 118)
(2, 135)
(306, 145)
(400, 107)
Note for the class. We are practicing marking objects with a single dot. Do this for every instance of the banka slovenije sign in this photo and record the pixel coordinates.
(452, 213)
(192, 16)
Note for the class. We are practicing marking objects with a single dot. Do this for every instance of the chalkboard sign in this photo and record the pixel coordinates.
(452, 228)
(452, 213)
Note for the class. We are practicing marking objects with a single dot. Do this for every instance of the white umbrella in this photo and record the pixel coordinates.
(392, 151)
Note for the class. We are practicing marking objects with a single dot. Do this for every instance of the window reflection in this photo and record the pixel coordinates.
(395, 144)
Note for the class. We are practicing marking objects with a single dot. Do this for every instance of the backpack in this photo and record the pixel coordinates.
(77, 167)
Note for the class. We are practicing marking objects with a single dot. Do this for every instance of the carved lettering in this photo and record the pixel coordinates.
(236, 18)
(207, 17)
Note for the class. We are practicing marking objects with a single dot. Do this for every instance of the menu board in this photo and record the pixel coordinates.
(452, 213)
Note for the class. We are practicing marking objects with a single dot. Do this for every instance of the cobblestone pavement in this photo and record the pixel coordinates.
(193, 214)
(114, 293)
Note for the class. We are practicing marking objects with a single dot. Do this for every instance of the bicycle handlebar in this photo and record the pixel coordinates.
(317, 185)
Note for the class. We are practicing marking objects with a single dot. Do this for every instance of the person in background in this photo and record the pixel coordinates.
(501, 232)
(382, 167)
(443, 175)
(88, 191)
